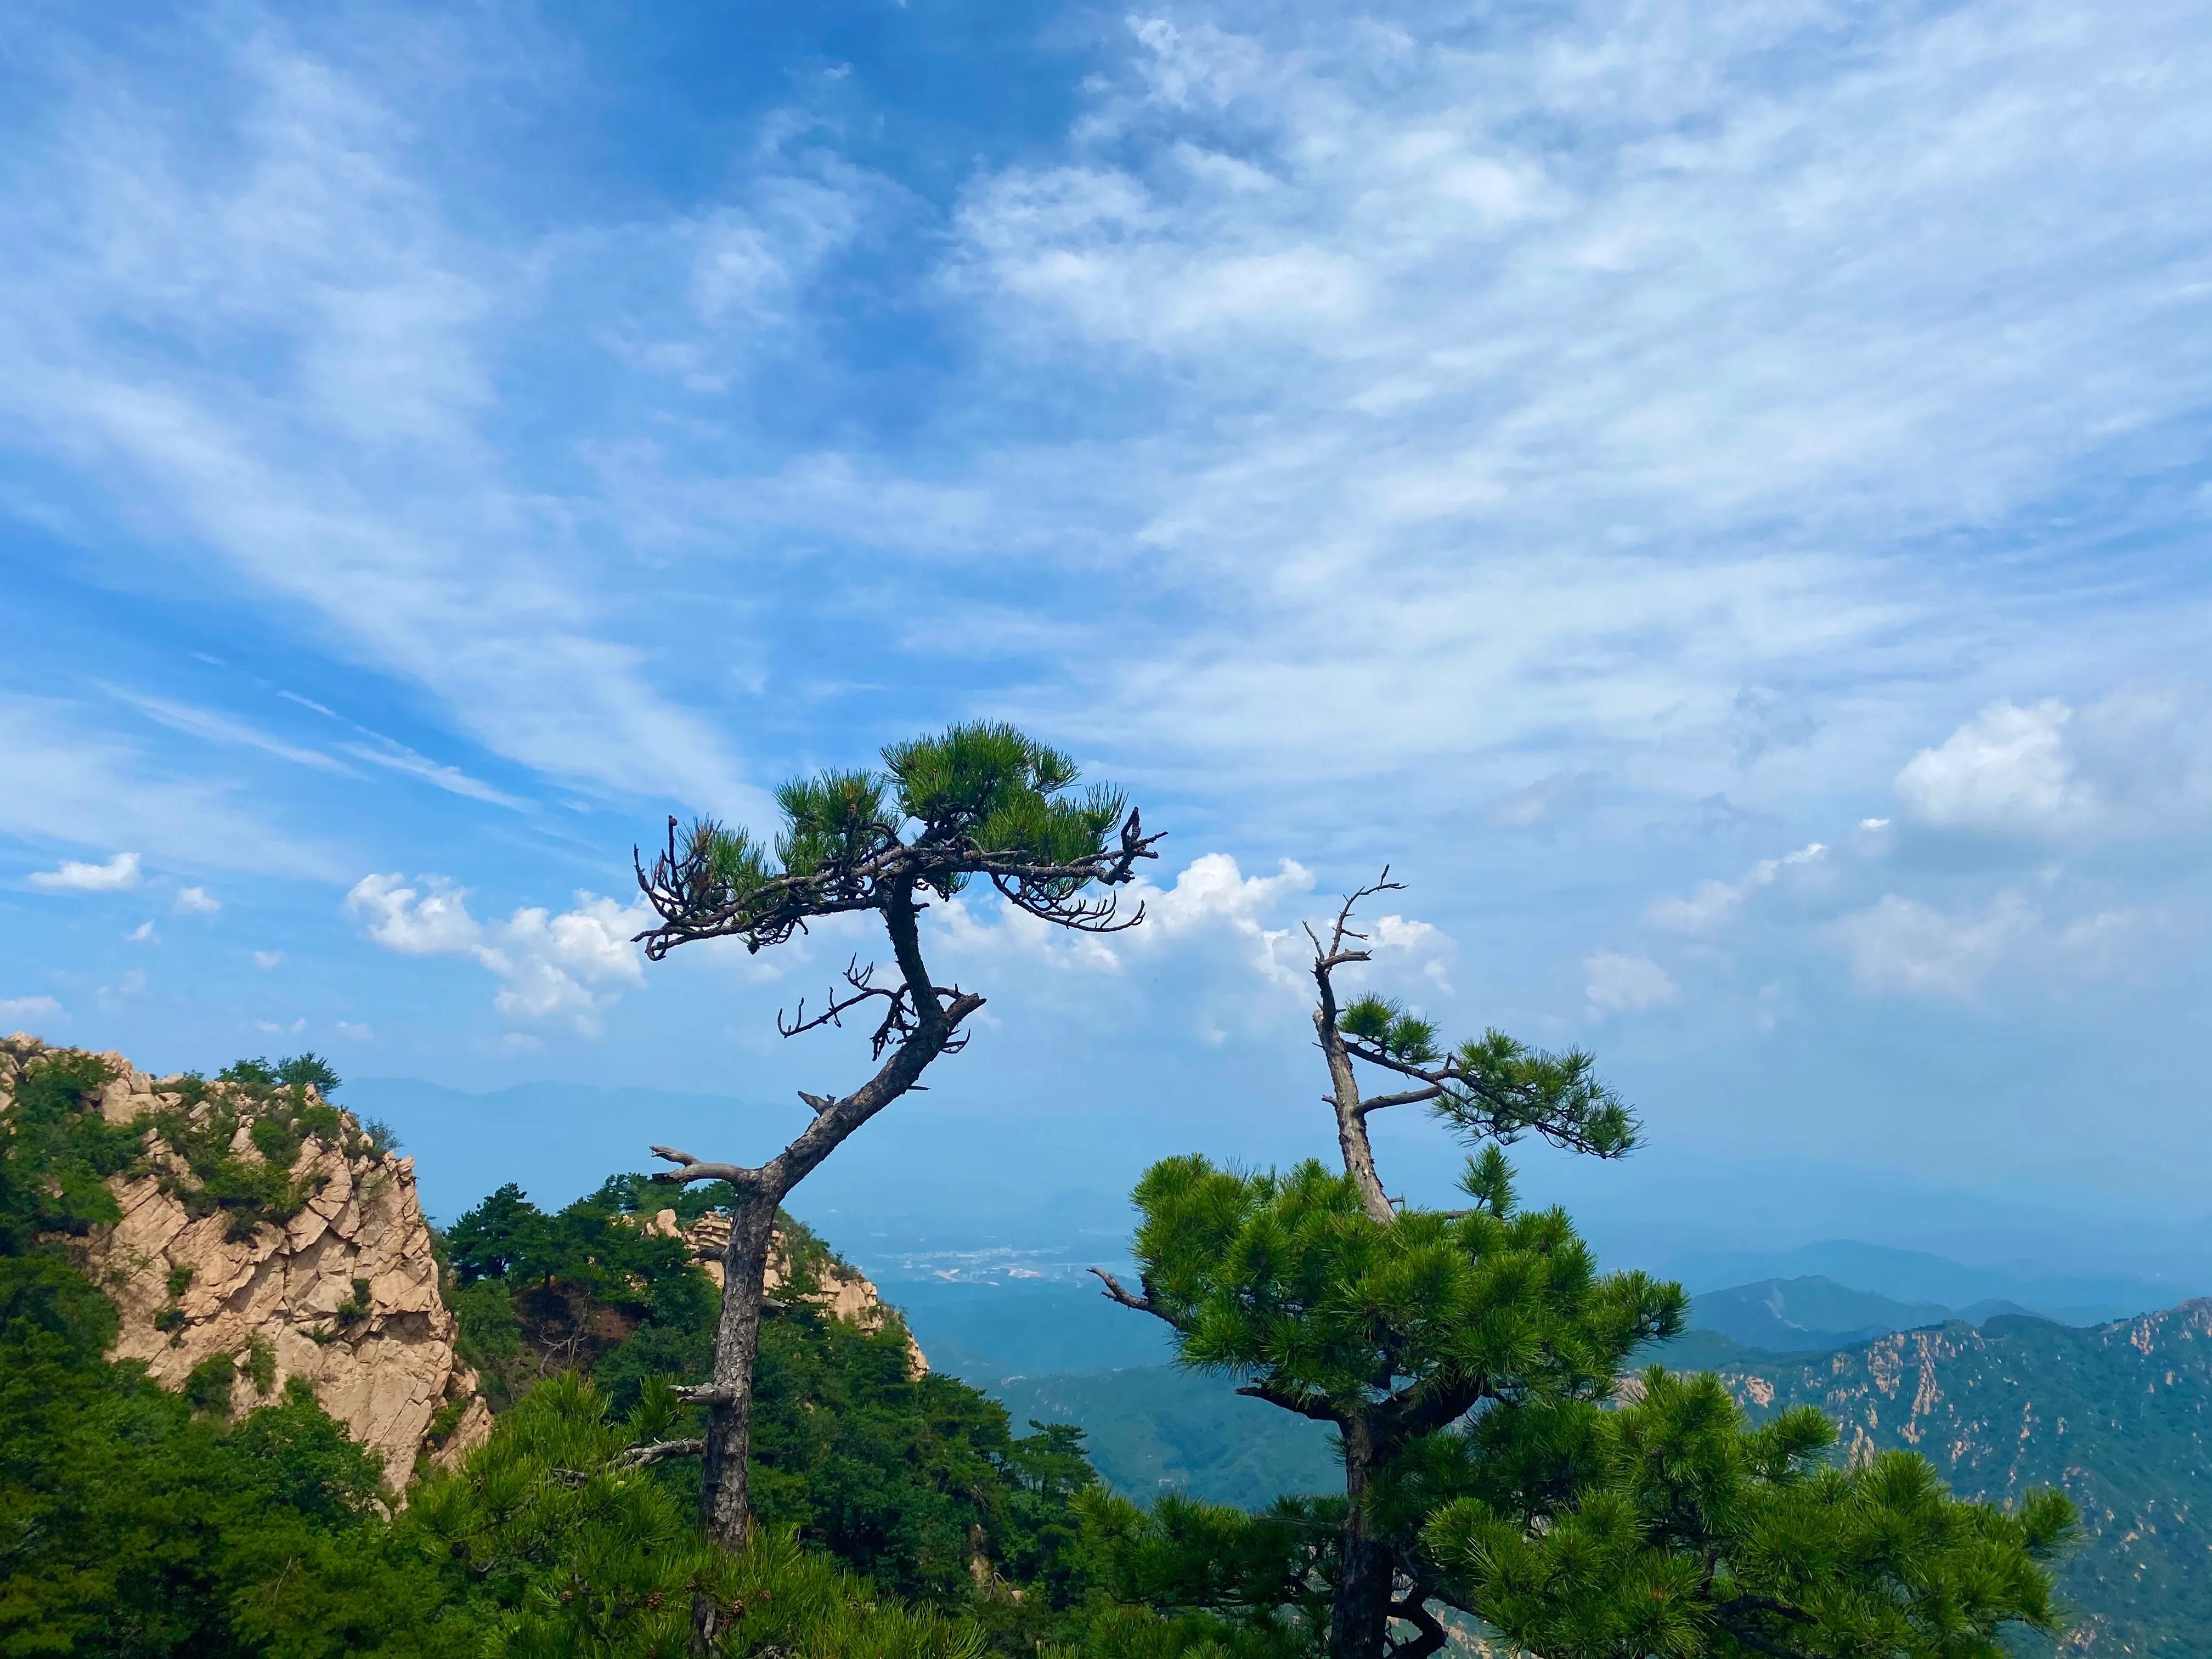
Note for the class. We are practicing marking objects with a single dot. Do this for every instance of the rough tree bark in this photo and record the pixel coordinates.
(1360, 1616)
(725, 1502)
(1344, 1084)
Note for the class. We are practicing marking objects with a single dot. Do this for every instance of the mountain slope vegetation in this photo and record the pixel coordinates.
(2117, 1416)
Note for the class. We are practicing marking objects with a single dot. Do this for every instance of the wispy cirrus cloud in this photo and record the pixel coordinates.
(347, 475)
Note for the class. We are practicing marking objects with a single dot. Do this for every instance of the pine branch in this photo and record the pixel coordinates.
(690, 1168)
(639, 1458)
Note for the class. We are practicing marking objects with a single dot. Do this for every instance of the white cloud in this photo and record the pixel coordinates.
(196, 902)
(552, 963)
(1714, 902)
(552, 967)
(1400, 941)
(1905, 947)
(1211, 907)
(1621, 984)
(1213, 893)
(265, 960)
(1472, 371)
(112, 998)
(2134, 763)
(2007, 770)
(18, 1010)
(1211, 897)
(428, 920)
(118, 874)
(397, 757)
(143, 933)
(64, 774)
(223, 729)
(276, 1028)
(354, 1033)
(306, 404)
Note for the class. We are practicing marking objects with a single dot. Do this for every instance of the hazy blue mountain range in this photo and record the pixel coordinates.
(1918, 1276)
(986, 1324)
(950, 1185)
(1814, 1313)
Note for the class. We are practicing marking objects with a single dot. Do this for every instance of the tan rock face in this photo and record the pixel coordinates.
(842, 1292)
(344, 1294)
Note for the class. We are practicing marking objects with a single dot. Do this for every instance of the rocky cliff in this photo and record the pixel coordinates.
(262, 1228)
(2119, 1415)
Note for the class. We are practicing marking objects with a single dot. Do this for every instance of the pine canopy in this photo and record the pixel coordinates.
(981, 798)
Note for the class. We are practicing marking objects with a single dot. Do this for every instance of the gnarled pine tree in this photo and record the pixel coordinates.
(1470, 1361)
(979, 800)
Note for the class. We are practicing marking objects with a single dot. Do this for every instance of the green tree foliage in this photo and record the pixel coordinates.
(138, 1522)
(1669, 1527)
(57, 1152)
(914, 1481)
(552, 1542)
(977, 799)
(1470, 1361)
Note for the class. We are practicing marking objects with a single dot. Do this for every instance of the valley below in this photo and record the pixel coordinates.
(2116, 1414)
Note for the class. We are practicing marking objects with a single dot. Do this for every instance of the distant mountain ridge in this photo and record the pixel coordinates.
(1815, 1313)
(1919, 1276)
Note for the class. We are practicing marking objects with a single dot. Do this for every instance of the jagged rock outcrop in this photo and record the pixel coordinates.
(2119, 1415)
(332, 1282)
(839, 1291)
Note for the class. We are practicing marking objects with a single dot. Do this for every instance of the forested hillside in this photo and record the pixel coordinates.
(2116, 1415)
(900, 1512)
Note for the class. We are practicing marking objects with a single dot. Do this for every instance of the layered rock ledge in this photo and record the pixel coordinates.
(342, 1293)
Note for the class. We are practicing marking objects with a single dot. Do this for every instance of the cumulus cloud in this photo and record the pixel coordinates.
(1211, 893)
(2134, 763)
(196, 902)
(1622, 984)
(1212, 897)
(431, 919)
(551, 966)
(1215, 913)
(2007, 770)
(118, 874)
(1903, 946)
(143, 933)
(1714, 902)
(19, 1011)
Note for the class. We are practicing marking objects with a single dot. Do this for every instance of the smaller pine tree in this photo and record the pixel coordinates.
(1471, 1362)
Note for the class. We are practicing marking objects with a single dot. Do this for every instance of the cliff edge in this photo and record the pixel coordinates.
(261, 1227)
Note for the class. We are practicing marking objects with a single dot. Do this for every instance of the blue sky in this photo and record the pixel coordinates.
(1716, 494)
